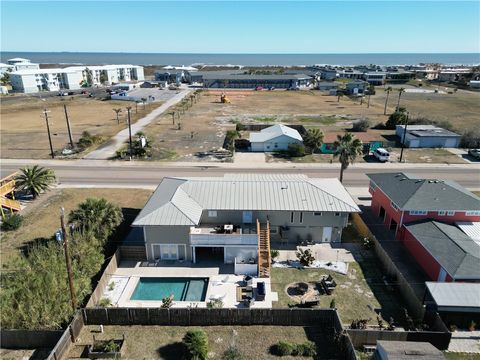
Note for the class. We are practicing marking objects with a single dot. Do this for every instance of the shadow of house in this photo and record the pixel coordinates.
(173, 351)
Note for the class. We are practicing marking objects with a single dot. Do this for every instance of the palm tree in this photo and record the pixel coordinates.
(97, 215)
(387, 90)
(313, 139)
(34, 180)
(400, 92)
(117, 111)
(347, 147)
(144, 101)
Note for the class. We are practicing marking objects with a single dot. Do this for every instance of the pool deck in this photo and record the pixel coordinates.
(222, 284)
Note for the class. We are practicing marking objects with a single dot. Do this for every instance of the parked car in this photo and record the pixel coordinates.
(381, 154)
(258, 88)
(475, 153)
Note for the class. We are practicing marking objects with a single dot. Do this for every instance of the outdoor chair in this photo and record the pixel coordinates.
(261, 291)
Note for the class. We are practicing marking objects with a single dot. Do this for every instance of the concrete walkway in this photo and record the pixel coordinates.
(249, 158)
(465, 341)
(108, 151)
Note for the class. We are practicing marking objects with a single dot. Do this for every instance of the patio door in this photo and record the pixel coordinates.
(165, 251)
(247, 217)
(327, 234)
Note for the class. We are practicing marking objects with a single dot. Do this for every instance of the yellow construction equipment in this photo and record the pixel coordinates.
(224, 99)
(7, 187)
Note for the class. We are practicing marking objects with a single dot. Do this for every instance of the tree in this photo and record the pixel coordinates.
(339, 95)
(98, 216)
(347, 148)
(313, 139)
(5, 78)
(34, 180)
(399, 117)
(89, 76)
(361, 125)
(117, 111)
(400, 92)
(387, 90)
(296, 150)
(103, 78)
(196, 344)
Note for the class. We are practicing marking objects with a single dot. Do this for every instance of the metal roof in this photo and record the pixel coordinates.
(207, 76)
(411, 193)
(181, 201)
(427, 131)
(455, 294)
(470, 228)
(273, 132)
(457, 253)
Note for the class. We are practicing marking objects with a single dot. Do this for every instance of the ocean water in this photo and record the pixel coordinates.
(242, 59)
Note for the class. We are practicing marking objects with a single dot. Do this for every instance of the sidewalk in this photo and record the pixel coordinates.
(108, 151)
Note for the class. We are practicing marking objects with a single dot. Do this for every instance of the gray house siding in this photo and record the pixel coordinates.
(276, 144)
(167, 235)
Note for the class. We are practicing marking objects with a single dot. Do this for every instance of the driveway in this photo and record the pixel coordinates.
(108, 150)
(249, 158)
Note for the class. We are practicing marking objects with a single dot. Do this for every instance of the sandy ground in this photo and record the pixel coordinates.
(23, 129)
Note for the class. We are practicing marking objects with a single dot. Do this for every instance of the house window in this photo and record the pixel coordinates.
(317, 214)
(291, 217)
(418, 212)
(274, 230)
(337, 214)
(301, 217)
(441, 213)
(394, 206)
(212, 213)
(450, 213)
(472, 213)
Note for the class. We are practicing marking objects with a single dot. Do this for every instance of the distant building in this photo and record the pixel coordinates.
(375, 78)
(22, 64)
(349, 74)
(274, 138)
(356, 87)
(329, 87)
(427, 136)
(251, 81)
(6, 68)
(406, 350)
(444, 252)
(399, 77)
(72, 78)
(171, 76)
(474, 84)
(328, 74)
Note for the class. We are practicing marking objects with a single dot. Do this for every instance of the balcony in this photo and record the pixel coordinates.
(219, 236)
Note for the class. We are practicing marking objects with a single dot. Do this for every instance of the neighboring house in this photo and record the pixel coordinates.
(22, 64)
(444, 252)
(251, 81)
(6, 68)
(400, 198)
(474, 84)
(218, 218)
(471, 228)
(399, 77)
(274, 138)
(171, 77)
(356, 87)
(153, 84)
(328, 74)
(350, 74)
(375, 78)
(72, 77)
(328, 87)
(457, 303)
(427, 136)
(406, 350)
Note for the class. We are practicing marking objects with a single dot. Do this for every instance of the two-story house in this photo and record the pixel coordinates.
(221, 218)
(400, 198)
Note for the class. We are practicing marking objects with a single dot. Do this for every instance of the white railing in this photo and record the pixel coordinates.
(223, 239)
(245, 268)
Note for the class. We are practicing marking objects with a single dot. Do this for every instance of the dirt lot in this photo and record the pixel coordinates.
(164, 342)
(41, 217)
(23, 130)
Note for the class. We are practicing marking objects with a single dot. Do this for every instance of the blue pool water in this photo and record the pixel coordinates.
(183, 289)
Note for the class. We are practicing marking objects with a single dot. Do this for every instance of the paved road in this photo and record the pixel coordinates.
(108, 151)
(142, 174)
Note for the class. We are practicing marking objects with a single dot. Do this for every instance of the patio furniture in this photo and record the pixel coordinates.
(248, 280)
(261, 291)
(249, 301)
(228, 228)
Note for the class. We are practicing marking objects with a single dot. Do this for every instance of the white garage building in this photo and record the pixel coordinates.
(274, 138)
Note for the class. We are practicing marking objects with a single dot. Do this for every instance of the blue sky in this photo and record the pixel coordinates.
(241, 27)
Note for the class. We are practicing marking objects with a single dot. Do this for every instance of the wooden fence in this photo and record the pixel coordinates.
(104, 280)
(412, 302)
(133, 252)
(29, 339)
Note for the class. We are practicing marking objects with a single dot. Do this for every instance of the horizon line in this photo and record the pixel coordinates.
(231, 53)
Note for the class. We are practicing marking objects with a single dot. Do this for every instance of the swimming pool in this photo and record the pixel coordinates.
(183, 289)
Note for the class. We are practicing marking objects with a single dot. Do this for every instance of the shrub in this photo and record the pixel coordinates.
(240, 127)
(215, 304)
(361, 125)
(399, 117)
(196, 344)
(306, 349)
(167, 302)
(296, 150)
(359, 324)
(274, 254)
(470, 139)
(232, 353)
(104, 302)
(472, 325)
(283, 348)
(332, 304)
(12, 222)
(305, 257)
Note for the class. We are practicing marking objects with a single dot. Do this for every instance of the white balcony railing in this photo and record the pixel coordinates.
(203, 237)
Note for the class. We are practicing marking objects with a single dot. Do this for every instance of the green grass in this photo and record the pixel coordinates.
(164, 342)
(461, 356)
(265, 119)
(323, 120)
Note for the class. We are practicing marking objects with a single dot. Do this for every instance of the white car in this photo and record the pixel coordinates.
(382, 155)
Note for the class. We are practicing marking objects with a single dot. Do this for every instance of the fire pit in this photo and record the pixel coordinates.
(297, 289)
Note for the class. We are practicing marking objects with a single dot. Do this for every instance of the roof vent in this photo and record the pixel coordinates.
(284, 187)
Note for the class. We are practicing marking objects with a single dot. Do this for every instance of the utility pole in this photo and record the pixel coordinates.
(129, 130)
(67, 260)
(403, 138)
(68, 126)
(45, 112)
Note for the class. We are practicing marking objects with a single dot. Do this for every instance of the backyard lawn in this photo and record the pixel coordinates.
(357, 294)
(41, 217)
(164, 342)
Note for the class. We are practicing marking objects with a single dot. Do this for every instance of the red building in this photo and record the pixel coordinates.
(443, 251)
(400, 198)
